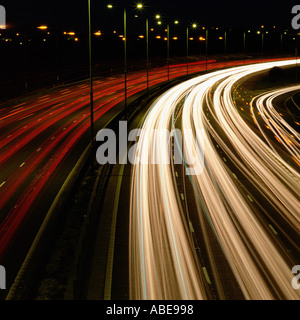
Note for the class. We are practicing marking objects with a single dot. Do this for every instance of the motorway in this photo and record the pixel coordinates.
(43, 136)
(232, 205)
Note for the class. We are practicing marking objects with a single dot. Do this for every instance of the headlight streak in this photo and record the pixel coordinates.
(162, 257)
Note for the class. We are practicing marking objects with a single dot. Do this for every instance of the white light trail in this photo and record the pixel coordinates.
(163, 260)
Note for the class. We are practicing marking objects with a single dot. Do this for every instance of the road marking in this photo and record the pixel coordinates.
(26, 116)
(206, 275)
(39, 149)
(273, 230)
(176, 174)
(235, 177)
(191, 227)
(251, 200)
(22, 165)
(182, 196)
(2, 184)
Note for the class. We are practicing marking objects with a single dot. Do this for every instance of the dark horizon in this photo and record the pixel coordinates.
(73, 14)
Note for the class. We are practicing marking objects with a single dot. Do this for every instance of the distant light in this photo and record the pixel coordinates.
(115, 31)
(194, 25)
(157, 16)
(42, 27)
(165, 39)
(109, 6)
(158, 37)
(176, 22)
(202, 39)
(249, 31)
(152, 29)
(220, 38)
(258, 32)
(141, 37)
(203, 28)
(159, 22)
(2, 26)
(76, 39)
(71, 33)
(17, 34)
(191, 39)
(139, 6)
(98, 33)
(121, 36)
(175, 38)
(124, 39)
(262, 27)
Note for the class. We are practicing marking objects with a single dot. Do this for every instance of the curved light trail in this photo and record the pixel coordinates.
(163, 259)
(38, 135)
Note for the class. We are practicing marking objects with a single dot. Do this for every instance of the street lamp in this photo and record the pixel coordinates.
(91, 75)
(244, 47)
(45, 28)
(140, 6)
(262, 42)
(206, 48)
(225, 47)
(194, 26)
(110, 6)
(159, 22)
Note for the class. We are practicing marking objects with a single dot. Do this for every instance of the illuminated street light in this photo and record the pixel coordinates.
(194, 26)
(42, 27)
(140, 6)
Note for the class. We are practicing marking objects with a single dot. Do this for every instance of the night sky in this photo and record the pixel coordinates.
(73, 13)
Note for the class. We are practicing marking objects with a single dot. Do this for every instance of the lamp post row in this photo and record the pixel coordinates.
(140, 6)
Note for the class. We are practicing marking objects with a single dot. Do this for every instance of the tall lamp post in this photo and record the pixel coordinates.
(91, 76)
(225, 47)
(138, 6)
(194, 26)
(168, 42)
(125, 61)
